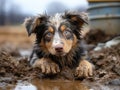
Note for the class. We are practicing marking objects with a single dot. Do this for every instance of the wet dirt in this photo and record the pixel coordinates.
(17, 74)
(107, 63)
(96, 36)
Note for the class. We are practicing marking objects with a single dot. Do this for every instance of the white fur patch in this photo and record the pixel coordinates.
(56, 20)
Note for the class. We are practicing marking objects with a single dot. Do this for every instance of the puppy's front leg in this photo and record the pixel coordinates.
(47, 66)
(84, 69)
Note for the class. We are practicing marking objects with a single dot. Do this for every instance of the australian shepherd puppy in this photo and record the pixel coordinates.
(58, 42)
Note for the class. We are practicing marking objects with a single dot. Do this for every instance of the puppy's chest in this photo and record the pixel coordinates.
(69, 60)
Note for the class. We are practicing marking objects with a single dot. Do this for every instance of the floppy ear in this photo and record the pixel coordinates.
(32, 23)
(77, 18)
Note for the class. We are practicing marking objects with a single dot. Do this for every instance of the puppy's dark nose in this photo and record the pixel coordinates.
(59, 48)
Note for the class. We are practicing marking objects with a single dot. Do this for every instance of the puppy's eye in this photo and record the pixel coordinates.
(48, 36)
(67, 34)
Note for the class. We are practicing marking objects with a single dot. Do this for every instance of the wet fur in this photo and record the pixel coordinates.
(39, 24)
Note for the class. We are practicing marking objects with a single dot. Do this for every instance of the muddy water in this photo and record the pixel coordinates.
(38, 84)
(69, 85)
(46, 85)
(59, 85)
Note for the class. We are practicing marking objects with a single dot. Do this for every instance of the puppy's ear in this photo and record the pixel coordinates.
(31, 24)
(77, 18)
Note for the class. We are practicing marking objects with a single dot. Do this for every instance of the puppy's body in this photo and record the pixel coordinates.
(58, 42)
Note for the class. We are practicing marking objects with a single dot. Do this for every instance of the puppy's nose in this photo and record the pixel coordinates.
(59, 48)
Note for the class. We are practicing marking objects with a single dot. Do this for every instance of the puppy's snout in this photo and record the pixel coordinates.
(59, 48)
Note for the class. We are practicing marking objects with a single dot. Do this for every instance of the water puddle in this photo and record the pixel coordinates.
(38, 84)
(46, 85)
(59, 85)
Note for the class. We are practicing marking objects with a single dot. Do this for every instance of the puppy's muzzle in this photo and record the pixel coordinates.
(59, 48)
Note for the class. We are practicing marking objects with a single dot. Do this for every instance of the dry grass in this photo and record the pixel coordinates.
(16, 35)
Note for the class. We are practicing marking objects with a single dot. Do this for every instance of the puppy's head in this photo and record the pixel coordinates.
(58, 34)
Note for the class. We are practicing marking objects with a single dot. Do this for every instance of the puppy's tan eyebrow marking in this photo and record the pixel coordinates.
(63, 27)
(74, 18)
(50, 29)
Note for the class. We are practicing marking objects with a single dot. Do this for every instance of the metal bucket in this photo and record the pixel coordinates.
(105, 16)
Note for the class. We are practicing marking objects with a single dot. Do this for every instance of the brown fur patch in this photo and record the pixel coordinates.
(67, 45)
(44, 47)
(74, 18)
(63, 27)
(74, 41)
(49, 47)
(50, 29)
(36, 23)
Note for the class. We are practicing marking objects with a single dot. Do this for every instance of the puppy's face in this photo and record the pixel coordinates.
(58, 39)
(58, 34)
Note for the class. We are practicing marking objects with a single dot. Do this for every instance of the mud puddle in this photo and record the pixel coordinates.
(55, 85)
(38, 84)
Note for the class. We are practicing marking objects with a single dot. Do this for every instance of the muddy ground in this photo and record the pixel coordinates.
(15, 67)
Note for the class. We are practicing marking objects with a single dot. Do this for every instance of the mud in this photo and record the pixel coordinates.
(96, 36)
(107, 64)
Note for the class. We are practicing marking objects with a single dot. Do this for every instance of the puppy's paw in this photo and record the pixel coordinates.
(84, 69)
(47, 66)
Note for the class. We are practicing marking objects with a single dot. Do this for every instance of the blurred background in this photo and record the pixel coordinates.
(104, 15)
(13, 13)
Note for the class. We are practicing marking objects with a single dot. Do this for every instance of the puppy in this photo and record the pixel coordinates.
(58, 42)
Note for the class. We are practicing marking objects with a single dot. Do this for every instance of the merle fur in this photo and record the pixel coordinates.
(77, 53)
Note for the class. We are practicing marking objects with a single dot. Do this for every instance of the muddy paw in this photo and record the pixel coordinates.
(47, 66)
(84, 69)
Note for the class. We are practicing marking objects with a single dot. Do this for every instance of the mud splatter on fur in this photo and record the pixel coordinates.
(58, 38)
